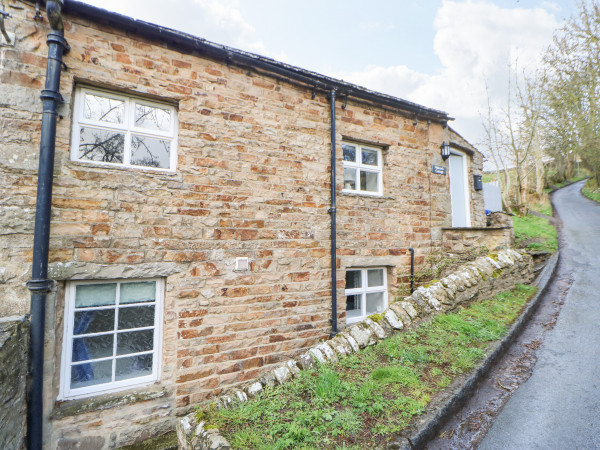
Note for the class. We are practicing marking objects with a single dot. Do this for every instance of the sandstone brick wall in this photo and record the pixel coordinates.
(13, 354)
(458, 241)
(252, 181)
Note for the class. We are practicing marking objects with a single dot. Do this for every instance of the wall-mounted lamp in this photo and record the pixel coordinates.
(445, 150)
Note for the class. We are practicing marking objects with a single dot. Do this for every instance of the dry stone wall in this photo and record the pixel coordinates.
(14, 332)
(476, 281)
(252, 180)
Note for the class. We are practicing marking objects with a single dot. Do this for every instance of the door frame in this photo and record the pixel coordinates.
(466, 196)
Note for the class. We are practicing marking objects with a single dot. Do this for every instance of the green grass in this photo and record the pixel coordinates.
(363, 399)
(591, 190)
(535, 233)
(570, 180)
(544, 207)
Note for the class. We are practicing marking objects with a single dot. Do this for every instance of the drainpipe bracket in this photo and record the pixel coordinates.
(332, 210)
(40, 286)
(48, 94)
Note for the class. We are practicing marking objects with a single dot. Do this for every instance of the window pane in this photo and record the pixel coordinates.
(375, 277)
(88, 374)
(152, 118)
(103, 109)
(136, 317)
(87, 295)
(374, 303)
(139, 291)
(94, 321)
(349, 178)
(101, 145)
(135, 342)
(353, 279)
(133, 366)
(353, 306)
(349, 152)
(150, 152)
(369, 157)
(368, 181)
(93, 347)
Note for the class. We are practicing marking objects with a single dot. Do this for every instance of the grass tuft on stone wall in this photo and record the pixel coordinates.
(363, 399)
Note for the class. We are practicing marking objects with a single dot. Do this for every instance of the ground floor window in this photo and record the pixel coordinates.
(366, 293)
(112, 335)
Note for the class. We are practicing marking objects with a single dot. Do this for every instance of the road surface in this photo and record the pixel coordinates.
(558, 407)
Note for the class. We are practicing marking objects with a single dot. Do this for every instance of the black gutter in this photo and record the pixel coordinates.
(40, 285)
(184, 41)
(332, 211)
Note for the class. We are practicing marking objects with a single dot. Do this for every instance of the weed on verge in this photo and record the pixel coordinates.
(366, 397)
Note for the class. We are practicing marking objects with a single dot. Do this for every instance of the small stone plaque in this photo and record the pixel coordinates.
(439, 170)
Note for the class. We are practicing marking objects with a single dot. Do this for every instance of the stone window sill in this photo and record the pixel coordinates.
(67, 408)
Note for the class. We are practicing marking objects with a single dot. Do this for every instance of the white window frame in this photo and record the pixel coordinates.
(364, 290)
(65, 390)
(128, 128)
(359, 166)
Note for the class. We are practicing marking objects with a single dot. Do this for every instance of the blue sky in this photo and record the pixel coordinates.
(440, 53)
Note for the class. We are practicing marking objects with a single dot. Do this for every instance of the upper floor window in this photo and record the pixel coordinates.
(112, 336)
(362, 169)
(116, 129)
(366, 293)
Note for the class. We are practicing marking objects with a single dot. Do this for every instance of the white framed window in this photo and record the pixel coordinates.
(363, 167)
(119, 130)
(366, 293)
(112, 336)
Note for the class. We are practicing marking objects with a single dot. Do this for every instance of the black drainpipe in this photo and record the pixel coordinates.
(40, 285)
(332, 211)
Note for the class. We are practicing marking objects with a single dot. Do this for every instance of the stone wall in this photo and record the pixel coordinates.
(252, 180)
(459, 241)
(475, 281)
(14, 333)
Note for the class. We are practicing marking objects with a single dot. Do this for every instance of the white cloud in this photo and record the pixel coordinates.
(475, 42)
(215, 20)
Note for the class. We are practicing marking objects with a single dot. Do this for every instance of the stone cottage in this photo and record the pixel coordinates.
(193, 213)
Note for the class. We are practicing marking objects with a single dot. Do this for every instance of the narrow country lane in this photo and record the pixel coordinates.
(558, 407)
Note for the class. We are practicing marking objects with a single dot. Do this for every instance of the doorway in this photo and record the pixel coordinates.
(459, 189)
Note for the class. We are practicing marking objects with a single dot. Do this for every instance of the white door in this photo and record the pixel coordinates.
(459, 193)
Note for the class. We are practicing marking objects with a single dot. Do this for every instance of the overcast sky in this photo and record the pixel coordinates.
(439, 53)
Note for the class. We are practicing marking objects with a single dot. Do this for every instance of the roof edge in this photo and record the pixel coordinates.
(241, 58)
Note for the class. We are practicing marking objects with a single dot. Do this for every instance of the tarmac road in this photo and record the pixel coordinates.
(558, 407)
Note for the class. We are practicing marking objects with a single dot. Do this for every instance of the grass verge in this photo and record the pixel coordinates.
(365, 398)
(535, 233)
(591, 190)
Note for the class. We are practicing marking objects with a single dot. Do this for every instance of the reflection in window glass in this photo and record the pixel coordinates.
(368, 181)
(133, 366)
(369, 157)
(353, 279)
(89, 374)
(349, 178)
(134, 342)
(349, 152)
(353, 308)
(150, 152)
(103, 109)
(136, 317)
(375, 277)
(374, 303)
(101, 145)
(152, 118)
